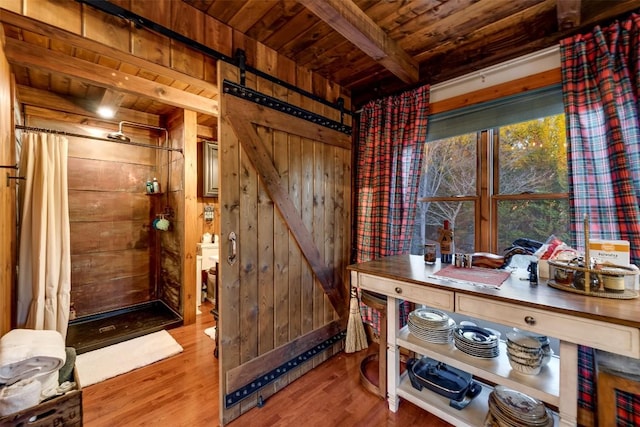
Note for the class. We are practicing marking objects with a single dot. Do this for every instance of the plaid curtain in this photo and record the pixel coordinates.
(391, 139)
(600, 84)
(600, 77)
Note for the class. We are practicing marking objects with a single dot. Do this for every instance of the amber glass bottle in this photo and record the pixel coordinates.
(446, 243)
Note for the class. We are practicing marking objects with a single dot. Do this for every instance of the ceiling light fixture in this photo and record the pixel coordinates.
(106, 112)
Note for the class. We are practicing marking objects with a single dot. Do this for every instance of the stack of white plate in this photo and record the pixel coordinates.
(431, 325)
(511, 408)
(527, 354)
(476, 341)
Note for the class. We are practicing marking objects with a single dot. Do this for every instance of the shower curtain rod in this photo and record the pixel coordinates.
(97, 138)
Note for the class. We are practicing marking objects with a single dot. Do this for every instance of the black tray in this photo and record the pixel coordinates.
(444, 380)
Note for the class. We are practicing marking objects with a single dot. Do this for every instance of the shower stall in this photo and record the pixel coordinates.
(125, 273)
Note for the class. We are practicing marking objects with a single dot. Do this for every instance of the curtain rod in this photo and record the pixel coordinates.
(97, 138)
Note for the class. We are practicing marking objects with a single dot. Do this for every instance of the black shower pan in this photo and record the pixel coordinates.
(103, 329)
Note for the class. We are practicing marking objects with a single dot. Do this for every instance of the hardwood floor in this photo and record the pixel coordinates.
(183, 391)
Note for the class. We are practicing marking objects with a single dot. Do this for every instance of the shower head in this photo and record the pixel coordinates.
(119, 136)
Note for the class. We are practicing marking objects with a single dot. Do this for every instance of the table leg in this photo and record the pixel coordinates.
(393, 353)
(568, 407)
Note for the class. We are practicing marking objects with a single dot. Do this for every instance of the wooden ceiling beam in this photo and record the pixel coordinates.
(29, 55)
(42, 98)
(593, 12)
(206, 132)
(348, 19)
(568, 12)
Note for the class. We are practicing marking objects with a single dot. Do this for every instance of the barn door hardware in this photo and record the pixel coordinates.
(282, 106)
(233, 256)
(241, 57)
(340, 102)
(236, 396)
(141, 22)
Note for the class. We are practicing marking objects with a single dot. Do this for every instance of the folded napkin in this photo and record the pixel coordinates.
(21, 395)
(27, 353)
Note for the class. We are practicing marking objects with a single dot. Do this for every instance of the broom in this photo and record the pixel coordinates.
(356, 337)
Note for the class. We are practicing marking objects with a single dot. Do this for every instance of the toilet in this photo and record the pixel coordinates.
(206, 258)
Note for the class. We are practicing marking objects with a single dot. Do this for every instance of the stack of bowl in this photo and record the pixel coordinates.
(547, 352)
(528, 353)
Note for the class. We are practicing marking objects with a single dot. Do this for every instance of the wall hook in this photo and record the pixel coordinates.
(9, 177)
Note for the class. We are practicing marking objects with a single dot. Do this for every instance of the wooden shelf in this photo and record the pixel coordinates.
(544, 386)
(471, 416)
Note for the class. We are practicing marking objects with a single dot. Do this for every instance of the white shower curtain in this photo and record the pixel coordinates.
(44, 276)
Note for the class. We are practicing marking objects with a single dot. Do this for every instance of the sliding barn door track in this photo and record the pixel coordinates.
(282, 106)
(140, 22)
(236, 396)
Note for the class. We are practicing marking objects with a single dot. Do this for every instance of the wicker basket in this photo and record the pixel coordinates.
(563, 275)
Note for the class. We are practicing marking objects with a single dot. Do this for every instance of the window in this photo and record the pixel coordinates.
(532, 197)
(448, 189)
(496, 184)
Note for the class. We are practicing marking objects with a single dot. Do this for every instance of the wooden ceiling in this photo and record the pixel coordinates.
(370, 47)
(376, 47)
(62, 71)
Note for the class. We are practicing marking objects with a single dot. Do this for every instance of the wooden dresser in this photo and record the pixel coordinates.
(607, 324)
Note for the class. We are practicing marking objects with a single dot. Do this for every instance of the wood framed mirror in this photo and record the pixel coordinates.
(210, 169)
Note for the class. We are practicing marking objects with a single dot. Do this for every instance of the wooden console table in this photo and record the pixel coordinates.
(606, 324)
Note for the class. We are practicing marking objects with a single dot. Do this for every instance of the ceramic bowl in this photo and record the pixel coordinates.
(526, 361)
(525, 355)
(546, 356)
(523, 342)
(525, 369)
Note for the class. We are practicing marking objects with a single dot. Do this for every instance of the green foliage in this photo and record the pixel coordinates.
(534, 219)
(532, 160)
(533, 157)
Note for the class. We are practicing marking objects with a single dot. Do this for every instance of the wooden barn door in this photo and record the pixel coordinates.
(285, 198)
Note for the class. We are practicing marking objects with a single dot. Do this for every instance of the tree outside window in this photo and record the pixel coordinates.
(495, 186)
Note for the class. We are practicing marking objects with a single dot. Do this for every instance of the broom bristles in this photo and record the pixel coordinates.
(356, 337)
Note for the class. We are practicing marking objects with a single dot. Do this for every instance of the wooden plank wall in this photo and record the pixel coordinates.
(112, 245)
(179, 16)
(176, 260)
(270, 299)
(212, 227)
(7, 197)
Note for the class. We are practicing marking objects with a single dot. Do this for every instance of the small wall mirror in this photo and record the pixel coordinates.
(210, 169)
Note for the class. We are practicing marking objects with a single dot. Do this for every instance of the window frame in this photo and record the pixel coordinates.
(485, 200)
(486, 237)
(497, 198)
